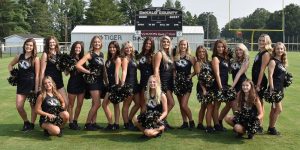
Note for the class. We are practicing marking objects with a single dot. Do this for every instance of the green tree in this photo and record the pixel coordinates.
(12, 19)
(129, 7)
(40, 18)
(256, 20)
(234, 24)
(105, 12)
(168, 4)
(209, 21)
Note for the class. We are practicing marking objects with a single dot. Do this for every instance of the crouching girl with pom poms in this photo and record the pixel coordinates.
(277, 70)
(248, 111)
(51, 106)
(150, 121)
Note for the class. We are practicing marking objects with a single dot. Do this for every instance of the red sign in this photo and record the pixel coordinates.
(157, 33)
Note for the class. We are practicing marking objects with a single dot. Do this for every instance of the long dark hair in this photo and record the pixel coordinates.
(118, 52)
(34, 51)
(46, 47)
(198, 51)
(252, 97)
(151, 52)
(72, 52)
(215, 51)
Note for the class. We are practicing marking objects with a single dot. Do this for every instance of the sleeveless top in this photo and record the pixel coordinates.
(256, 69)
(235, 68)
(151, 105)
(110, 70)
(49, 103)
(52, 70)
(26, 68)
(278, 75)
(223, 69)
(166, 70)
(146, 70)
(98, 62)
(131, 77)
(183, 66)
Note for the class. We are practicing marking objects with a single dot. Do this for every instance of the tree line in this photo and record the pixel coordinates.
(59, 17)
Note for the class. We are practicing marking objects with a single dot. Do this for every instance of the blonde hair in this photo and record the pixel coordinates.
(92, 42)
(166, 55)
(188, 51)
(245, 56)
(268, 41)
(124, 45)
(158, 91)
(44, 90)
(284, 56)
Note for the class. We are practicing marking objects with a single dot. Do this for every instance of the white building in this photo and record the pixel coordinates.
(194, 35)
(14, 43)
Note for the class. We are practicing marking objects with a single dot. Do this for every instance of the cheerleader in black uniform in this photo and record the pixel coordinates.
(112, 66)
(129, 77)
(260, 63)
(51, 106)
(277, 70)
(248, 111)
(220, 68)
(95, 59)
(156, 100)
(28, 79)
(48, 65)
(163, 69)
(76, 86)
(145, 65)
(239, 66)
(183, 63)
(202, 89)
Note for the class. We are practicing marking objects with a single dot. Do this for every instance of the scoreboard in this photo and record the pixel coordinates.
(158, 19)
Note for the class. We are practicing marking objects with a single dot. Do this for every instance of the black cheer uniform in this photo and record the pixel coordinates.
(183, 68)
(26, 75)
(223, 70)
(255, 73)
(110, 70)
(49, 104)
(278, 75)
(97, 61)
(166, 75)
(151, 105)
(52, 71)
(76, 84)
(235, 68)
(131, 76)
(146, 70)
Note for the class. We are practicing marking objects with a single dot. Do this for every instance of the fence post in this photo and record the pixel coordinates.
(1, 50)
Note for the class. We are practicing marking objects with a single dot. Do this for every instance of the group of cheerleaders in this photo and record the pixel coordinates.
(161, 73)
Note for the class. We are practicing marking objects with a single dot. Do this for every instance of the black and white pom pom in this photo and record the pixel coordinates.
(55, 111)
(182, 85)
(65, 62)
(94, 69)
(149, 120)
(31, 97)
(248, 119)
(288, 79)
(116, 96)
(274, 96)
(90, 78)
(206, 76)
(230, 53)
(13, 78)
(205, 99)
(226, 95)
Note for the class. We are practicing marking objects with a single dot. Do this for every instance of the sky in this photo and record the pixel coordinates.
(220, 8)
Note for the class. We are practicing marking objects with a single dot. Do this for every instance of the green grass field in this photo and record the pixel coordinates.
(12, 138)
